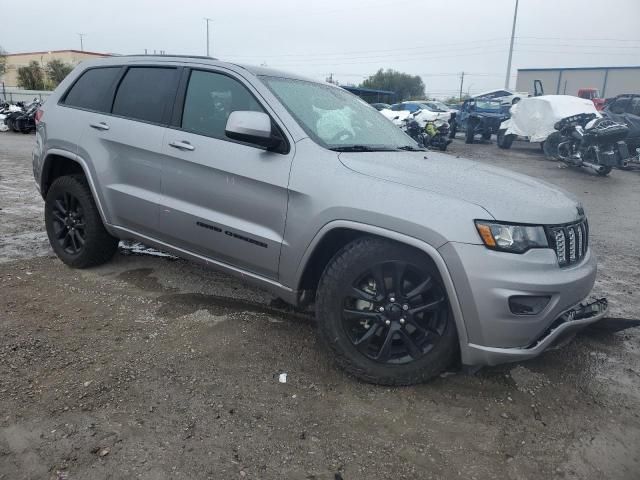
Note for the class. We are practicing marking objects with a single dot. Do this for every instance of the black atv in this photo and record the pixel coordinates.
(478, 116)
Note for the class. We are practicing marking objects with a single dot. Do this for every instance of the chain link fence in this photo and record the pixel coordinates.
(15, 94)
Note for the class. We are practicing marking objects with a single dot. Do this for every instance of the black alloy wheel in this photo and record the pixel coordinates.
(69, 223)
(395, 313)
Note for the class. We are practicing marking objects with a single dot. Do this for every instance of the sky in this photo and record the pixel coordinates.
(350, 39)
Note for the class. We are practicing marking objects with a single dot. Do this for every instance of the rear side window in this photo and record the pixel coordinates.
(210, 99)
(145, 93)
(91, 90)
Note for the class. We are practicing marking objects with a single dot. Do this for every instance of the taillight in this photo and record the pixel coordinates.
(38, 115)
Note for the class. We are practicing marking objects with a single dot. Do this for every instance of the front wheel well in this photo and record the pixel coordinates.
(330, 244)
(56, 166)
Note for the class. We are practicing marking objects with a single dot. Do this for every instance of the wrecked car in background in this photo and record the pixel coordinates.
(478, 116)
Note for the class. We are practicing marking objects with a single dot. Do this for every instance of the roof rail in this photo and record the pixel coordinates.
(201, 57)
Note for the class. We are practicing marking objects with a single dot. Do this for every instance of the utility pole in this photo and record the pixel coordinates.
(206, 19)
(461, 83)
(513, 36)
(81, 35)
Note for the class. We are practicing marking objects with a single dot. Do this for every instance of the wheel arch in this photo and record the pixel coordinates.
(334, 235)
(58, 162)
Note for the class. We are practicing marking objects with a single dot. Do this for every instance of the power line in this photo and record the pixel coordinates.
(394, 60)
(431, 46)
(584, 39)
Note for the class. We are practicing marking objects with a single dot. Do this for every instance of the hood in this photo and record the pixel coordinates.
(507, 196)
(487, 114)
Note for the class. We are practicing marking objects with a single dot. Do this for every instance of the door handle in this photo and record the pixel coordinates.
(99, 126)
(184, 145)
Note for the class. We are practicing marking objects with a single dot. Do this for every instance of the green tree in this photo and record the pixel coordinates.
(455, 99)
(404, 85)
(57, 70)
(31, 77)
(3, 61)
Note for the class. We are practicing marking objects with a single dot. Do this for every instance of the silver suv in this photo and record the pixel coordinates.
(413, 258)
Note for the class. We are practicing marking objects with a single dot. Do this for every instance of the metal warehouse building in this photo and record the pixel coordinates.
(611, 81)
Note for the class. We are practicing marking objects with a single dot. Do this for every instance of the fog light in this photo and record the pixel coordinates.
(527, 305)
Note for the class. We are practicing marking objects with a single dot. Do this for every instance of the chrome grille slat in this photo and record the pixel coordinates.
(570, 242)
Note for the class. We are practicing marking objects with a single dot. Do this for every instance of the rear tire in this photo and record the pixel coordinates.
(486, 136)
(503, 140)
(604, 171)
(74, 227)
(404, 351)
(453, 131)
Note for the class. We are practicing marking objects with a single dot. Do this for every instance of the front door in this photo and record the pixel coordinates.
(221, 198)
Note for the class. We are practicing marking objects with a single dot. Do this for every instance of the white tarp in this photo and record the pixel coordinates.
(534, 117)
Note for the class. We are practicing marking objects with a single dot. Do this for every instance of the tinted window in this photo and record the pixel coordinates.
(145, 92)
(92, 89)
(210, 99)
(620, 105)
(635, 107)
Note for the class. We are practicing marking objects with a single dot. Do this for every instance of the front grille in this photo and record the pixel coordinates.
(570, 242)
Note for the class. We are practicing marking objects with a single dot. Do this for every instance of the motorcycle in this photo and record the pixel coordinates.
(438, 134)
(7, 111)
(26, 122)
(433, 134)
(586, 140)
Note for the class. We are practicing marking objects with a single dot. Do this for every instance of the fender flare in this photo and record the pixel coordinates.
(421, 245)
(85, 168)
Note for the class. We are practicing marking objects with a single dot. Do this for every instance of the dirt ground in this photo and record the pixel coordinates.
(156, 368)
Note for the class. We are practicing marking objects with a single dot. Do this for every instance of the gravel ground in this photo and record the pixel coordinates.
(156, 368)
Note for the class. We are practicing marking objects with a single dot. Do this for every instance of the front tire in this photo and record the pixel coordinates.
(74, 227)
(383, 311)
(503, 140)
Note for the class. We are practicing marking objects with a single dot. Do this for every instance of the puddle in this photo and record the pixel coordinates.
(141, 278)
(181, 304)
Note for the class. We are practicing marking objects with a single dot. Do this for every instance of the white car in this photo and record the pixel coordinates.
(535, 117)
(506, 96)
(422, 112)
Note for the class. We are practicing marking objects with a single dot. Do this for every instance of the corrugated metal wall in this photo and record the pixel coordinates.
(610, 81)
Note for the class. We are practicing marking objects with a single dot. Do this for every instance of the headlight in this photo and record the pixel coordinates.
(511, 238)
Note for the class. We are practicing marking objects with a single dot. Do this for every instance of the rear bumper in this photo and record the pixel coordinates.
(486, 280)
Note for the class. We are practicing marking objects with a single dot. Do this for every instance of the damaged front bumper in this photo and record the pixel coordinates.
(561, 331)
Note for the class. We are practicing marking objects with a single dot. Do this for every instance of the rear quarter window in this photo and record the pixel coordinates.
(91, 90)
(146, 93)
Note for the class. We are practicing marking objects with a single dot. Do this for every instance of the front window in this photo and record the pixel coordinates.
(335, 118)
(436, 106)
(488, 105)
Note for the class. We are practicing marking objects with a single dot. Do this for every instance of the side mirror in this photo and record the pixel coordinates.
(252, 127)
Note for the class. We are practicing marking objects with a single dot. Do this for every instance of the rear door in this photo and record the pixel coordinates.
(123, 143)
(224, 199)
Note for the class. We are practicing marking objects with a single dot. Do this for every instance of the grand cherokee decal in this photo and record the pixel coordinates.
(232, 234)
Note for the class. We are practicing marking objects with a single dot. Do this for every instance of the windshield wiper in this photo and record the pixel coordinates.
(410, 148)
(361, 148)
